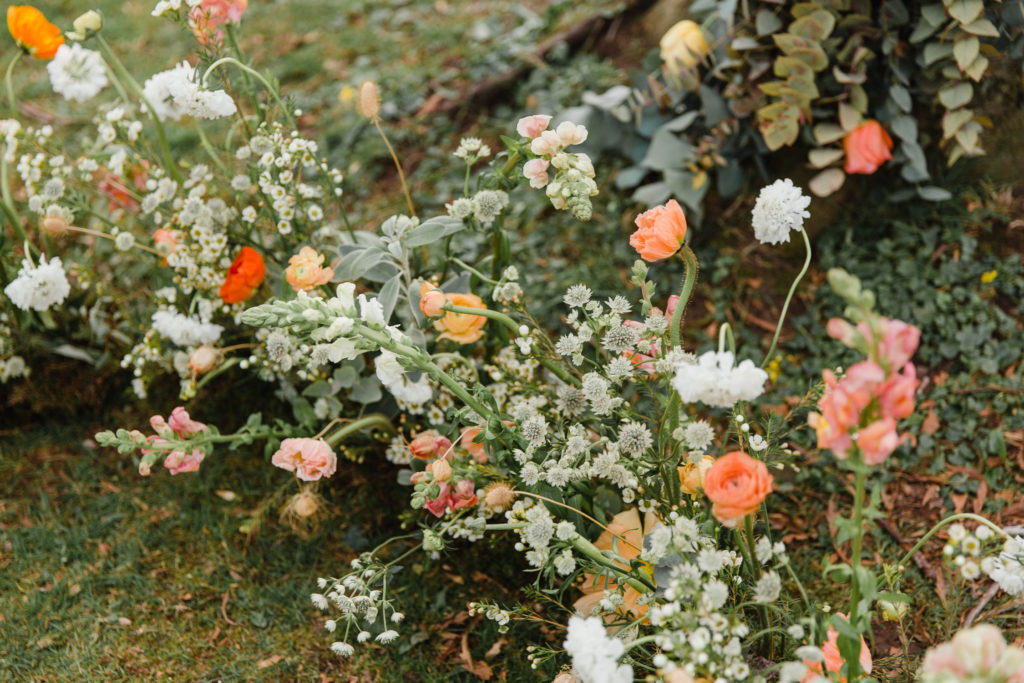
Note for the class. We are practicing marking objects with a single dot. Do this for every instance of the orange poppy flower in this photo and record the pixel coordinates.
(32, 32)
(244, 276)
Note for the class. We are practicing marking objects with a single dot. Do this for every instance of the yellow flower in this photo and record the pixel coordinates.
(347, 94)
(989, 276)
(774, 368)
(684, 45)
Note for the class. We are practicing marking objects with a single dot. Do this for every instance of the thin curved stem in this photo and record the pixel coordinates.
(210, 151)
(398, 165)
(233, 42)
(12, 102)
(581, 514)
(484, 313)
(789, 297)
(689, 280)
(376, 419)
(97, 233)
(8, 200)
(258, 76)
(855, 559)
(724, 333)
(952, 518)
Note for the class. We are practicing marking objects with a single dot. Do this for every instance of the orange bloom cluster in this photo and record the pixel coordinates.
(32, 32)
(244, 276)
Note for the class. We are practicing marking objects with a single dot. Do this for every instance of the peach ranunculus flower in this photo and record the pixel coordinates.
(736, 484)
(244, 276)
(432, 300)
(309, 459)
(691, 475)
(532, 126)
(305, 272)
(660, 231)
(463, 328)
(32, 32)
(833, 660)
(867, 147)
(683, 45)
(625, 537)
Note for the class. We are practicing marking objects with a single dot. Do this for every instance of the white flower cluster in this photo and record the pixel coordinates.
(361, 597)
(1008, 568)
(715, 381)
(472, 150)
(177, 92)
(165, 6)
(484, 206)
(780, 208)
(185, 331)
(77, 73)
(39, 287)
(595, 655)
(573, 185)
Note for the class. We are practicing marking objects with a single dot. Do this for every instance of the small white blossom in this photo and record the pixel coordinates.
(780, 208)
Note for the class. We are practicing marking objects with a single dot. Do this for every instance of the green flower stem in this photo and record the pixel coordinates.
(258, 76)
(126, 78)
(374, 420)
(641, 641)
(789, 297)
(559, 371)
(473, 270)
(690, 259)
(944, 522)
(233, 42)
(223, 367)
(858, 537)
(725, 333)
(513, 159)
(485, 313)
(210, 151)
(12, 102)
(8, 201)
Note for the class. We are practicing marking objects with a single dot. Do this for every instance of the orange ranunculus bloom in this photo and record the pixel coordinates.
(464, 328)
(305, 271)
(244, 276)
(32, 32)
(867, 147)
(624, 537)
(736, 484)
(660, 231)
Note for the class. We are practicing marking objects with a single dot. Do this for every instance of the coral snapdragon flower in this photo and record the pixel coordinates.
(244, 276)
(32, 32)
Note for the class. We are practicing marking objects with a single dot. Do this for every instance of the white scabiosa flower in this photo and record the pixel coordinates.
(594, 654)
(39, 287)
(77, 73)
(780, 208)
(177, 92)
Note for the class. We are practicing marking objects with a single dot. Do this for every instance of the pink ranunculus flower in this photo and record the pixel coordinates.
(429, 445)
(183, 425)
(878, 440)
(532, 126)
(896, 395)
(179, 461)
(310, 459)
(536, 171)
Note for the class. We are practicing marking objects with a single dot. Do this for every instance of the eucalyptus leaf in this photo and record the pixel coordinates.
(934, 193)
(827, 182)
(766, 22)
(901, 96)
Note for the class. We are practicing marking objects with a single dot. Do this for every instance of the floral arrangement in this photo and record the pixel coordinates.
(634, 470)
(855, 85)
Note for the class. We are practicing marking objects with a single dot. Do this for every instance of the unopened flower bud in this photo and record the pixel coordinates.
(55, 225)
(369, 100)
(432, 541)
(88, 23)
(204, 359)
(441, 470)
(432, 300)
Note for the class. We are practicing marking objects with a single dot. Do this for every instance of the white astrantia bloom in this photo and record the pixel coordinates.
(177, 92)
(39, 287)
(699, 435)
(185, 331)
(715, 381)
(780, 208)
(767, 589)
(77, 73)
(594, 654)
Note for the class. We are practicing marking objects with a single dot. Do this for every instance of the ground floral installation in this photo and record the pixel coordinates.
(634, 469)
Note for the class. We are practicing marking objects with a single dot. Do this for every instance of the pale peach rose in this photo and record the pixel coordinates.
(878, 440)
(660, 231)
(310, 459)
(532, 126)
(463, 328)
(691, 476)
(180, 461)
(305, 273)
(182, 424)
(203, 359)
(833, 660)
(429, 445)
(536, 171)
(736, 484)
(867, 147)
(683, 45)
(432, 300)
